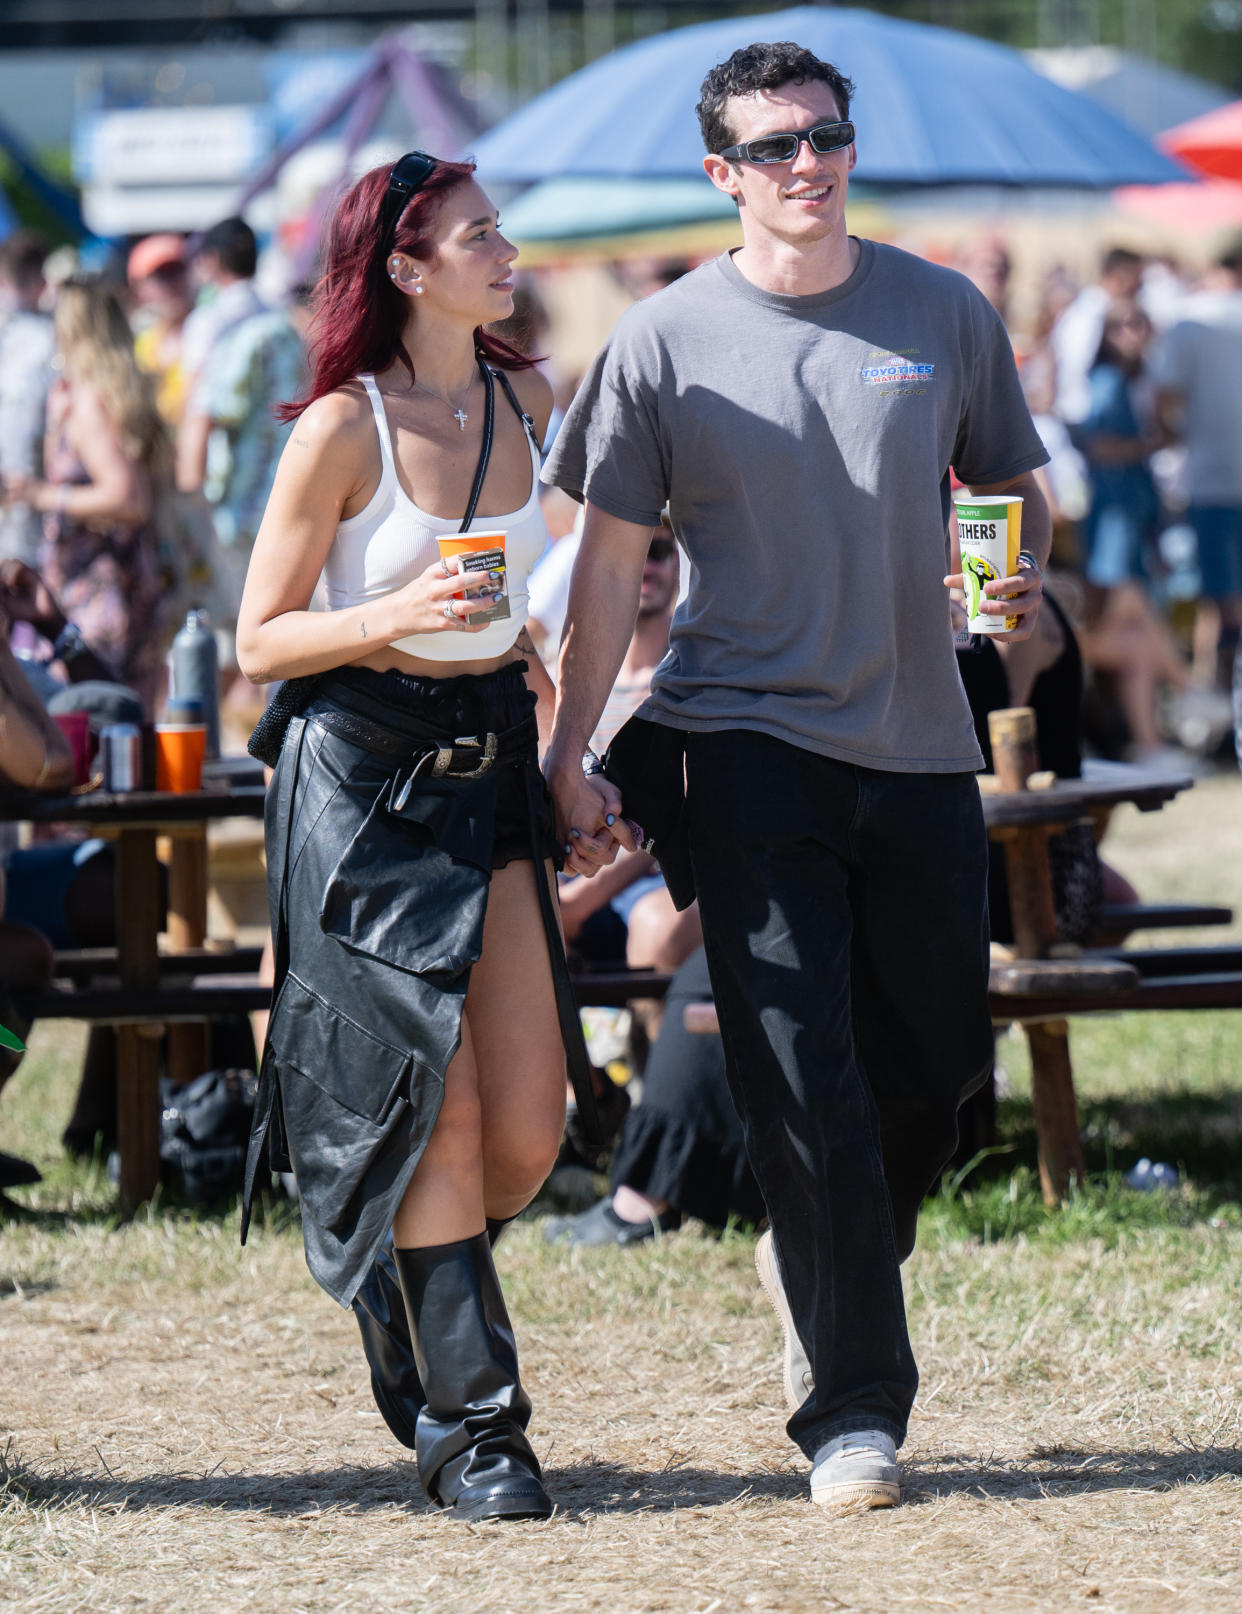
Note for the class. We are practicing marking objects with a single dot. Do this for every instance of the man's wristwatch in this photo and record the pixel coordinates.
(68, 643)
(1025, 558)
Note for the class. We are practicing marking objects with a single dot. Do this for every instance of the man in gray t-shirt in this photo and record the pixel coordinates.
(800, 404)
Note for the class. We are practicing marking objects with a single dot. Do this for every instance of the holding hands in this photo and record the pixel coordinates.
(589, 823)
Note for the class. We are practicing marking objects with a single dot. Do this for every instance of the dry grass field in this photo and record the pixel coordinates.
(185, 1425)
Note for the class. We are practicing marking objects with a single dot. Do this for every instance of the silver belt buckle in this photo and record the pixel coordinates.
(443, 765)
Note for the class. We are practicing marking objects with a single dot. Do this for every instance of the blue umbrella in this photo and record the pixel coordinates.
(933, 107)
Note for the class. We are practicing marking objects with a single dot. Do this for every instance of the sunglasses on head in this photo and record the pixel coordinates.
(783, 148)
(409, 175)
(661, 549)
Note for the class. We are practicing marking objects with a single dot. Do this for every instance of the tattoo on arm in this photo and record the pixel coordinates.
(302, 442)
(523, 642)
(363, 626)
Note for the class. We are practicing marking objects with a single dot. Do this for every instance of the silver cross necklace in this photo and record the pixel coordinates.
(459, 413)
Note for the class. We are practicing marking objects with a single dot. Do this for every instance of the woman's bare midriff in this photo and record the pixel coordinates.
(389, 660)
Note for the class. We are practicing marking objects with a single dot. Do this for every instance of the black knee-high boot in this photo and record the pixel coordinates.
(473, 1455)
(385, 1329)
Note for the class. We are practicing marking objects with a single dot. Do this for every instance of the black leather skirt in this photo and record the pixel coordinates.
(393, 799)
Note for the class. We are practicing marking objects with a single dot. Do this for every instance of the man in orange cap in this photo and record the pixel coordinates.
(160, 283)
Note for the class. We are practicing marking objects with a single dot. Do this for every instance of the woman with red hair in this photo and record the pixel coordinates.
(414, 1070)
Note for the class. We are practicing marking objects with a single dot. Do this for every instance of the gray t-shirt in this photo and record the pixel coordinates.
(1201, 357)
(804, 446)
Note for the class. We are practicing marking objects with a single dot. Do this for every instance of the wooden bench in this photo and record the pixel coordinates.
(83, 965)
(201, 985)
(1120, 919)
(1028, 992)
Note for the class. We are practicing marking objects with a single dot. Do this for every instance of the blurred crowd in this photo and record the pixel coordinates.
(1133, 384)
(137, 438)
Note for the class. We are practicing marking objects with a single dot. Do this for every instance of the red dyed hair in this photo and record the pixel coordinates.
(359, 314)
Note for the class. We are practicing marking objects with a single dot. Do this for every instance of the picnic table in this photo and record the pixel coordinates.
(1021, 819)
(1040, 984)
(136, 820)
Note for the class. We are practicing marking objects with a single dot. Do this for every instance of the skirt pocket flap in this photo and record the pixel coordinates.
(342, 1090)
(459, 820)
(396, 897)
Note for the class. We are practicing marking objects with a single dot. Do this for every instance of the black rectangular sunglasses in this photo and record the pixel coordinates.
(783, 148)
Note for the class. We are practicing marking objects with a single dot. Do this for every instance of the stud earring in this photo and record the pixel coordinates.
(417, 290)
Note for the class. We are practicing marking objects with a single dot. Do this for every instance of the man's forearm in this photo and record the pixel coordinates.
(603, 603)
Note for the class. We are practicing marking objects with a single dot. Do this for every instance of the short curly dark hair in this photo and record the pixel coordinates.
(762, 67)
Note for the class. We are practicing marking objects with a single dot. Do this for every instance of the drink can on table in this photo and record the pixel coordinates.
(120, 752)
(989, 535)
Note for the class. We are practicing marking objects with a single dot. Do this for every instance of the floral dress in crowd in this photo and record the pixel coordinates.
(106, 577)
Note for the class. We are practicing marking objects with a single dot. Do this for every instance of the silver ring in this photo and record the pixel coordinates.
(444, 567)
(450, 613)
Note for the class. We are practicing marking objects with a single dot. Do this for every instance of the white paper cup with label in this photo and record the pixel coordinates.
(989, 536)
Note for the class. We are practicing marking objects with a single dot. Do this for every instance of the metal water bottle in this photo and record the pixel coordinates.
(195, 673)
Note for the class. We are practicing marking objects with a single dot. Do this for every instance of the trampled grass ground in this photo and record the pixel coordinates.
(187, 1426)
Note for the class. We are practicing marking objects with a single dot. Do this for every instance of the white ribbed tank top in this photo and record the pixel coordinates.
(392, 540)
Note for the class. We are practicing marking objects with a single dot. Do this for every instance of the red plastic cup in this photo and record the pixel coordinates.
(76, 727)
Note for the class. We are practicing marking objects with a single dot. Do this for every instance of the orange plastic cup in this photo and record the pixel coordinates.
(179, 752)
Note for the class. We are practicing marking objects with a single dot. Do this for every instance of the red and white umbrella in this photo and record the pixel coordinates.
(1212, 144)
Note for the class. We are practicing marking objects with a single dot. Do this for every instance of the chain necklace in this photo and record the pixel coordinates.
(459, 413)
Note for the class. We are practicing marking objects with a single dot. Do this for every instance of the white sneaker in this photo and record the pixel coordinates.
(856, 1471)
(796, 1368)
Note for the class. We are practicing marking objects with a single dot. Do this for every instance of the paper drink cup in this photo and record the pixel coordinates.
(458, 546)
(989, 536)
(179, 751)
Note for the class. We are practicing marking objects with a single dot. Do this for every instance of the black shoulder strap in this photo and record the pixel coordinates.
(485, 447)
(527, 420)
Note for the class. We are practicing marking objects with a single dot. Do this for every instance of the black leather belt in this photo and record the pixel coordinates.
(468, 756)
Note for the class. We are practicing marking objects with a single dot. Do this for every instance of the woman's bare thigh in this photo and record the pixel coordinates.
(511, 1006)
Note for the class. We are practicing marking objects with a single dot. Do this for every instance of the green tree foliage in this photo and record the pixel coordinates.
(1203, 37)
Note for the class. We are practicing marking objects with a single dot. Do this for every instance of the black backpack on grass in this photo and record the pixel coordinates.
(204, 1131)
